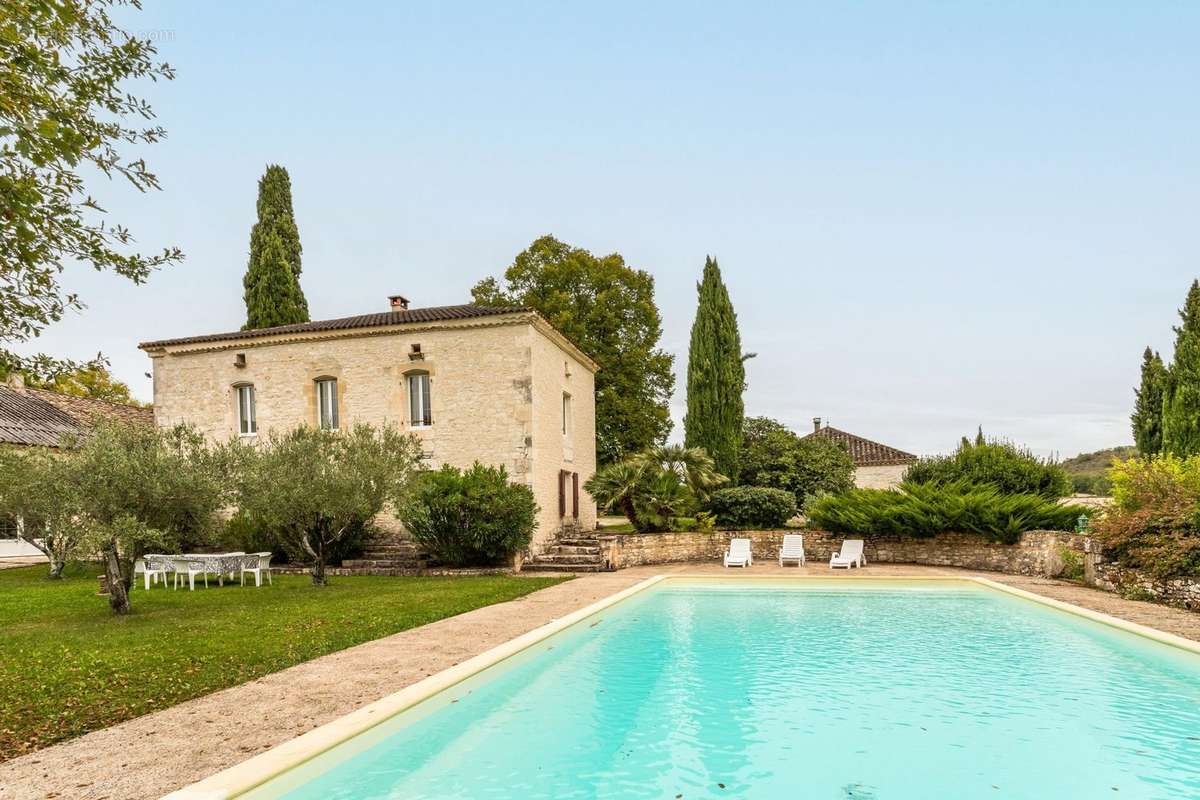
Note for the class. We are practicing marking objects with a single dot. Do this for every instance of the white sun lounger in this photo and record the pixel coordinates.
(738, 553)
(792, 549)
(851, 555)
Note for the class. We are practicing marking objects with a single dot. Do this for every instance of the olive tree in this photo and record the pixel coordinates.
(131, 487)
(33, 482)
(310, 486)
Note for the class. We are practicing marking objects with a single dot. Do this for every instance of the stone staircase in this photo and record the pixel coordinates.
(388, 557)
(577, 551)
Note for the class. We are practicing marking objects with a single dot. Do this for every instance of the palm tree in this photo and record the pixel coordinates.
(614, 487)
(692, 465)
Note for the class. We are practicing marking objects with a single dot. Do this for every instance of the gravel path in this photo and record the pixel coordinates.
(160, 752)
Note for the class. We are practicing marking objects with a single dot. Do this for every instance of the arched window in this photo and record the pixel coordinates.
(247, 414)
(327, 403)
(420, 414)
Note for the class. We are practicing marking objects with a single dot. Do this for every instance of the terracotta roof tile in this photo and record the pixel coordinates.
(40, 417)
(864, 452)
(414, 315)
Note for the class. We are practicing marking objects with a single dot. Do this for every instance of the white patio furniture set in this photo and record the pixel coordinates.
(792, 549)
(186, 568)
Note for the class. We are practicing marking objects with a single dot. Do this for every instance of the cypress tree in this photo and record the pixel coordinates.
(272, 285)
(1148, 405)
(1181, 399)
(716, 375)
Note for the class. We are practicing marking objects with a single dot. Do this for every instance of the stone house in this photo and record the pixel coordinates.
(876, 466)
(496, 385)
(40, 418)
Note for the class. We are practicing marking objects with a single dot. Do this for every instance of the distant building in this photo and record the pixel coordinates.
(876, 466)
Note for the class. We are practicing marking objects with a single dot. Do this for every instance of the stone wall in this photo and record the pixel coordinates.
(887, 476)
(1037, 553)
(1104, 573)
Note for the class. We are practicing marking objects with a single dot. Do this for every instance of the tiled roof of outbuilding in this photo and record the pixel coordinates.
(432, 314)
(864, 452)
(41, 418)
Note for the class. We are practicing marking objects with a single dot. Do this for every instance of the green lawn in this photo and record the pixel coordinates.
(67, 666)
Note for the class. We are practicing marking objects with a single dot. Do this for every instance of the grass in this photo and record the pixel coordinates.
(67, 666)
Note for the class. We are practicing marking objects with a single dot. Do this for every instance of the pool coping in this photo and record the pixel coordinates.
(257, 770)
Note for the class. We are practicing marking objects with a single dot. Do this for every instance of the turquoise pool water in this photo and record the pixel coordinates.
(819, 691)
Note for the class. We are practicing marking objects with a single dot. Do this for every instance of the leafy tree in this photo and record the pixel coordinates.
(716, 375)
(87, 380)
(606, 308)
(1181, 395)
(65, 112)
(1148, 404)
(272, 281)
(131, 487)
(46, 518)
(470, 517)
(774, 456)
(311, 487)
(657, 487)
(1010, 469)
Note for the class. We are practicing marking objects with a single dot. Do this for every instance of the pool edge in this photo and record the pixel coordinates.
(285, 756)
(249, 774)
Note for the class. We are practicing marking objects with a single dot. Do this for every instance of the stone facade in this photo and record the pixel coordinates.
(1037, 552)
(879, 477)
(496, 388)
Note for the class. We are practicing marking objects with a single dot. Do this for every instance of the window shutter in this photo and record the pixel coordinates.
(562, 493)
(575, 494)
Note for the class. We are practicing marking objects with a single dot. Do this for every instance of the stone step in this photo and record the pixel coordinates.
(391, 547)
(568, 558)
(544, 566)
(576, 541)
(574, 549)
(383, 563)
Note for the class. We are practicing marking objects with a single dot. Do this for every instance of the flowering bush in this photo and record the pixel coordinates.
(1154, 521)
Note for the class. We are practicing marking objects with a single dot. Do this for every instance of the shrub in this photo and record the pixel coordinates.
(1010, 469)
(244, 533)
(470, 517)
(924, 510)
(752, 507)
(774, 456)
(1154, 522)
(1091, 483)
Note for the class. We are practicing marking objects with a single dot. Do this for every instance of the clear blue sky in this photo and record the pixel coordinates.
(930, 215)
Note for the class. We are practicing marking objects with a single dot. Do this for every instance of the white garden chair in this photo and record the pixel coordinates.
(851, 555)
(792, 549)
(738, 553)
(153, 568)
(188, 569)
(256, 564)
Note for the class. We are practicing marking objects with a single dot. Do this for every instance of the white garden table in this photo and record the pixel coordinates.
(219, 564)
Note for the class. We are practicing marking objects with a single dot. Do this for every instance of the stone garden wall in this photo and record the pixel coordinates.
(1037, 553)
(1051, 554)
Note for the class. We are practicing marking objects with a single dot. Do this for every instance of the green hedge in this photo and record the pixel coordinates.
(752, 507)
(1011, 469)
(924, 510)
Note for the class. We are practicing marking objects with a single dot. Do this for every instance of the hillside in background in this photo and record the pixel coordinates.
(1087, 469)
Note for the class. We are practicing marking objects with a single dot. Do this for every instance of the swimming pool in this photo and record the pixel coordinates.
(783, 689)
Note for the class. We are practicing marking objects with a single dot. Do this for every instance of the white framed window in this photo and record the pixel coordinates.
(567, 422)
(420, 413)
(246, 412)
(327, 403)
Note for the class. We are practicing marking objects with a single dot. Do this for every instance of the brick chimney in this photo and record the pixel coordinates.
(816, 424)
(397, 302)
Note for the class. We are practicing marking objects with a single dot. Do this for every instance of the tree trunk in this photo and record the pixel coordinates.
(318, 570)
(56, 566)
(118, 592)
(630, 512)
